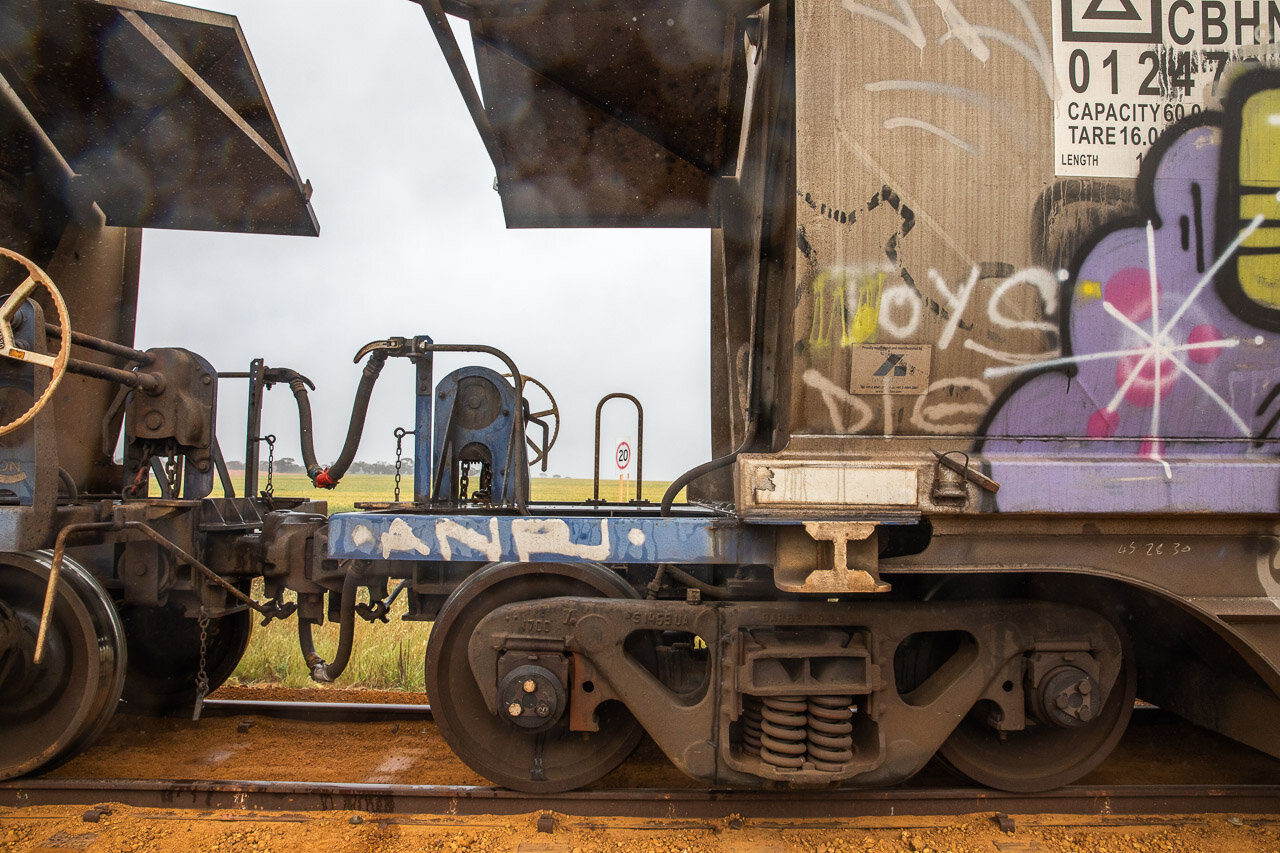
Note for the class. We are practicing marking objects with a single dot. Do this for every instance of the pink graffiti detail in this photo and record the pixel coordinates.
(1130, 291)
(1102, 424)
(1203, 334)
(1142, 390)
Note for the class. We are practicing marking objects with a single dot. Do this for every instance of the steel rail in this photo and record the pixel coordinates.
(643, 803)
(346, 712)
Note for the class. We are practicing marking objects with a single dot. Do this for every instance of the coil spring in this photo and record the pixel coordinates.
(830, 732)
(783, 731)
(751, 720)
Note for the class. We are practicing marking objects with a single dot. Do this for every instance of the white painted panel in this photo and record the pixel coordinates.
(840, 485)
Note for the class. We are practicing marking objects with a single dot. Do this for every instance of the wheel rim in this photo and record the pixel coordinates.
(491, 746)
(1041, 757)
(51, 712)
(164, 655)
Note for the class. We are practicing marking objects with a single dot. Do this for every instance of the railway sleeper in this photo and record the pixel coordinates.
(808, 693)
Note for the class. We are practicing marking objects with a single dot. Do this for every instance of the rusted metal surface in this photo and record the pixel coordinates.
(606, 114)
(841, 656)
(97, 270)
(198, 71)
(713, 803)
(102, 345)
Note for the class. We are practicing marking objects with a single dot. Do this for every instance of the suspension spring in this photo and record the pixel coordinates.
(830, 732)
(783, 731)
(751, 720)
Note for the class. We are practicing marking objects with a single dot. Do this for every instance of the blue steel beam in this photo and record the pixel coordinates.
(575, 539)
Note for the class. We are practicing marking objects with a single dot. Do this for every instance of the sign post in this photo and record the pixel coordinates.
(622, 457)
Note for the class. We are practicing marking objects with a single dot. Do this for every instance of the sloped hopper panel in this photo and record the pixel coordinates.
(618, 114)
(159, 110)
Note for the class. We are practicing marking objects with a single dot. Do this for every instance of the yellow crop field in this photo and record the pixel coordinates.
(380, 488)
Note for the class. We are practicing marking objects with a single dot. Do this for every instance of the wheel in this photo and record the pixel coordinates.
(550, 410)
(544, 762)
(1042, 757)
(9, 348)
(50, 712)
(164, 655)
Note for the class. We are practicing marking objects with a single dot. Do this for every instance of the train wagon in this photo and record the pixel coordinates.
(993, 375)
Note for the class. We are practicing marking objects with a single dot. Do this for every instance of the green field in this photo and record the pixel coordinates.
(385, 657)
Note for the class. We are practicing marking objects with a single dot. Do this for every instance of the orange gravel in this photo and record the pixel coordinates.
(134, 830)
(412, 752)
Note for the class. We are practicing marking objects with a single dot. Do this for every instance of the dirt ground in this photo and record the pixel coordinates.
(411, 751)
(133, 830)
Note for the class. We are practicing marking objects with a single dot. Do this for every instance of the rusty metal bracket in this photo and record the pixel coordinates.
(272, 609)
(973, 475)
(846, 560)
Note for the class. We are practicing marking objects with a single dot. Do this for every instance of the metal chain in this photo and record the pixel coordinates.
(400, 433)
(202, 677)
(271, 462)
(135, 488)
(462, 481)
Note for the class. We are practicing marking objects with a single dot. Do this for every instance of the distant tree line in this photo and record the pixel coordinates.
(289, 465)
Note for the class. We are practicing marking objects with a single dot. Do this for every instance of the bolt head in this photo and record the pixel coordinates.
(514, 709)
(530, 685)
(153, 420)
(543, 709)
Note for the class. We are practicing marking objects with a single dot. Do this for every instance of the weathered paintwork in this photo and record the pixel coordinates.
(559, 539)
(1099, 344)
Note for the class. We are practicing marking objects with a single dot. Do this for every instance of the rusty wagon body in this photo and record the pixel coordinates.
(994, 306)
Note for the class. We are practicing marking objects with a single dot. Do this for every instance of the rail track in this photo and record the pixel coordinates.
(641, 803)
(316, 711)
(928, 795)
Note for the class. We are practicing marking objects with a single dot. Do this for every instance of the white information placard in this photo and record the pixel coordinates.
(1127, 69)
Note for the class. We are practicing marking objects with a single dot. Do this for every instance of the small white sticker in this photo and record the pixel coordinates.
(890, 369)
(1127, 69)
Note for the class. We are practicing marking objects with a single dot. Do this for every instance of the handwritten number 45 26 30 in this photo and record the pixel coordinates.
(1155, 549)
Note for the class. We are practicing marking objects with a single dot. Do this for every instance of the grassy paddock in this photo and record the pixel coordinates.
(385, 657)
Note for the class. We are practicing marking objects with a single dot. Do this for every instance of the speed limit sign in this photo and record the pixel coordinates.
(623, 455)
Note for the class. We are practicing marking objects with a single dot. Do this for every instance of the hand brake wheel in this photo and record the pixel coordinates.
(8, 344)
(550, 410)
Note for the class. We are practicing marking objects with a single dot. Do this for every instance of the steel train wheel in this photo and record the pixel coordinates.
(1042, 757)
(49, 713)
(164, 655)
(489, 745)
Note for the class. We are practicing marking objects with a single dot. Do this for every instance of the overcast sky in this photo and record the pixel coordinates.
(411, 242)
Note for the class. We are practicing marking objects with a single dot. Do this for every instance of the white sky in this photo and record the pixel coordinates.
(411, 242)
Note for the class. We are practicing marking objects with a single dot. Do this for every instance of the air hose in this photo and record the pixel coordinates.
(327, 672)
(327, 478)
(706, 468)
